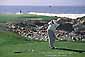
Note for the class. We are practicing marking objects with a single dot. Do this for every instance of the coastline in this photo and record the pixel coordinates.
(73, 16)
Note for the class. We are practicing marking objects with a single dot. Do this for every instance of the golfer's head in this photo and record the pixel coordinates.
(51, 22)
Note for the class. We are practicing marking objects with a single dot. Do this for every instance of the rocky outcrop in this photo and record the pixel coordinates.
(69, 29)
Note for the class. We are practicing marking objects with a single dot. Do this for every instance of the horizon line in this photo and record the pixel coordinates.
(43, 5)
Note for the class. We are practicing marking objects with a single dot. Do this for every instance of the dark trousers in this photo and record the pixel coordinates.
(52, 38)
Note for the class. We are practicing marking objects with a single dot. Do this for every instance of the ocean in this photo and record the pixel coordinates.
(43, 9)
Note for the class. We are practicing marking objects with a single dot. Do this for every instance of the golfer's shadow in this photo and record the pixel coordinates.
(80, 51)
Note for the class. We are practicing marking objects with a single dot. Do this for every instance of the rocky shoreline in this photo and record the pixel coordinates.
(70, 29)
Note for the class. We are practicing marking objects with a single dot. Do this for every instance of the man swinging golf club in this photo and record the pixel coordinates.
(52, 25)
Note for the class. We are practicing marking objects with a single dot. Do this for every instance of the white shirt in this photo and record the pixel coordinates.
(53, 27)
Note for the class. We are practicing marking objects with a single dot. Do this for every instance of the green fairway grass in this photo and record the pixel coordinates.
(12, 17)
(10, 43)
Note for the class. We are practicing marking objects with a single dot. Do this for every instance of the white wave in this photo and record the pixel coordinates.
(73, 16)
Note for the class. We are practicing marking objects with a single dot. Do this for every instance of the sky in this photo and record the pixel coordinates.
(44, 2)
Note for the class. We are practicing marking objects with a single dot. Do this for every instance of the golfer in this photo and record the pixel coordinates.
(52, 25)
